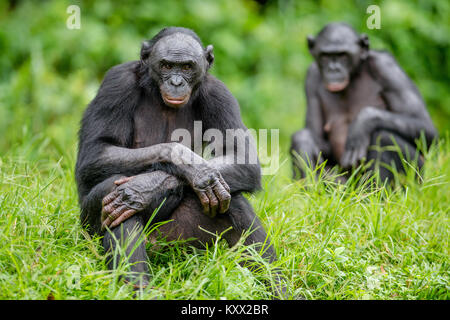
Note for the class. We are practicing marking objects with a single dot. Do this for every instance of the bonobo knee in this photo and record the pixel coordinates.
(301, 139)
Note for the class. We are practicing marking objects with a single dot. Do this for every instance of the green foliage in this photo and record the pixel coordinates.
(49, 72)
(334, 241)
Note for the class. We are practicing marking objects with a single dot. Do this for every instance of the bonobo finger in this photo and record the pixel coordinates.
(106, 211)
(110, 217)
(224, 184)
(204, 200)
(354, 157)
(223, 196)
(106, 223)
(123, 180)
(361, 154)
(349, 159)
(344, 159)
(124, 216)
(225, 204)
(109, 197)
(213, 202)
(117, 212)
(112, 205)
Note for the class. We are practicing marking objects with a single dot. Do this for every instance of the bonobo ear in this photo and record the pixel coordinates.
(145, 51)
(311, 41)
(209, 55)
(364, 41)
(364, 44)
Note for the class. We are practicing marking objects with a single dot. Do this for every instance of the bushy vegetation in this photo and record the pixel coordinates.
(334, 241)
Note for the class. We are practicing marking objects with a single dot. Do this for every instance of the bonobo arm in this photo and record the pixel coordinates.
(108, 120)
(91, 204)
(406, 114)
(118, 198)
(205, 179)
(238, 162)
(314, 116)
(145, 191)
(409, 116)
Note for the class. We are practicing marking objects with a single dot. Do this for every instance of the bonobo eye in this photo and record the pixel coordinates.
(343, 58)
(324, 58)
(186, 67)
(165, 66)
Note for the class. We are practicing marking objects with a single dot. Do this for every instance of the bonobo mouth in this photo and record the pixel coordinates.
(337, 85)
(175, 102)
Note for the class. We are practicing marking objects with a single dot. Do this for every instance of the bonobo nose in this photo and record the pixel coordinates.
(176, 81)
(334, 65)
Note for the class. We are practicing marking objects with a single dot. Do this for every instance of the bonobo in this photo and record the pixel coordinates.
(128, 166)
(357, 98)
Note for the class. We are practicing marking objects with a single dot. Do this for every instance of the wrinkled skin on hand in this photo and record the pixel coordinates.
(133, 194)
(212, 190)
(313, 152)
(205, 180)
(310, 151)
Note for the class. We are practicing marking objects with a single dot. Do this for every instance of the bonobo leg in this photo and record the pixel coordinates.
(386, 156)
(188, 217)
(129, 235)
(305, 147)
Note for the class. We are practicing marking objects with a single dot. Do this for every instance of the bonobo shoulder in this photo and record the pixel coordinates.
(214, 90)
(378, 58)
(313, 72)
(218, 106)
(381, 63)
(121, 76)
(120, 84)
(212, 84)
(312, 78)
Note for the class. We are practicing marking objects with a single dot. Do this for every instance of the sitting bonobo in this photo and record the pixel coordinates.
(358, 99)
(128, 164)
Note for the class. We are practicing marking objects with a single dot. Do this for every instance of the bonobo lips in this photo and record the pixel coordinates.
(175, 102)
(337, 86)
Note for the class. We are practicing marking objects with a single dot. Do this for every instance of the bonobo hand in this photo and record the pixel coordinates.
(205, 180)
(211, 189)
(133, 194)
(311, 154)
(358, 138)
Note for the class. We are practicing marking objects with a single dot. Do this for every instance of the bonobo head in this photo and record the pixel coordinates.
(176, 62)
(338, 50)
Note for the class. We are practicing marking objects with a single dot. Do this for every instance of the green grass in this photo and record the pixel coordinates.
(333, 241)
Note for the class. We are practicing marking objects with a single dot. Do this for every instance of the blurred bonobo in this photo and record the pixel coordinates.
(128, 164)
(356, 99)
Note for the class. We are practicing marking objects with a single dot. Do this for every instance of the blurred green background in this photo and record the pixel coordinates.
(49, 73)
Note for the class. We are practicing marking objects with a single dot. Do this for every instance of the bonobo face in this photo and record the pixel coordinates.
(338, 50)
(335, 69)
(178, 64)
